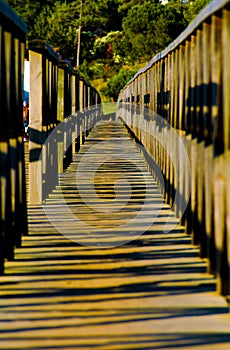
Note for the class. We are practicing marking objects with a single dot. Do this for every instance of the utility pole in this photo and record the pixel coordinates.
(79, 38)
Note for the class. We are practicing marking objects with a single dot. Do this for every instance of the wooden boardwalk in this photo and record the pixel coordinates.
(96, 273)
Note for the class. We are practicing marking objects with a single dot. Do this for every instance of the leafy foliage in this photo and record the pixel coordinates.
(193, 8)
(58, 27)
(148, 28)
(116, 35)
(117, 82)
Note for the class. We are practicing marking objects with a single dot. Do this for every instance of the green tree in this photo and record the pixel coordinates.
(58, 26)
(114, 33)
(100, 14)
(110, 46)
(125, 5)
(117, 82)
(192, 8)
(150, 27)
(28, 10)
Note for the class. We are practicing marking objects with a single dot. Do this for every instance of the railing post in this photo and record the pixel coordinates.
(36, 129)
(42, 120)
(65, 96)
(77, 112)
(82, 106)
(226, 128)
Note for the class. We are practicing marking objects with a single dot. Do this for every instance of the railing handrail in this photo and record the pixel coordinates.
(42, 46)
(9, 13)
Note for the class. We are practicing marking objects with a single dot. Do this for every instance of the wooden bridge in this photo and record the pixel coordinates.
(114, 230)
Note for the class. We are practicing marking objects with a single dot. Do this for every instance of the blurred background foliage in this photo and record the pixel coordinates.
(117, 36)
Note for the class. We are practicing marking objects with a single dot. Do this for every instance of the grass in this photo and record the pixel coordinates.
(109, 107)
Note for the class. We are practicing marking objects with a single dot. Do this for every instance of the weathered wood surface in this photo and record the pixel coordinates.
(150, 293)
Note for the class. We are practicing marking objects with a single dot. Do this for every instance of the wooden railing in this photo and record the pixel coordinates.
(61, 105)
(13, 221)
(188, 85)
(63, 108)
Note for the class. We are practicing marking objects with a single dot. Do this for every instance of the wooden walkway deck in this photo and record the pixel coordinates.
(111, 286)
